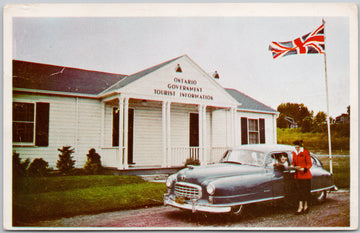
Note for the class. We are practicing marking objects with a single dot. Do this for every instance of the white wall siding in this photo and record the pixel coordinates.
(89, 128)
(219, 128)
(62, 128)
(77, 123)
(220, 133)
(108, 126)
(147, 136)
(180, 122)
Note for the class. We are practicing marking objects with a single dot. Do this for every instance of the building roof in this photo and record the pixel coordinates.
(248, 103)
(37, 76)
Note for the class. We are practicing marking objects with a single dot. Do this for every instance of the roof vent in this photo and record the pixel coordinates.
(178, 69)
(216, 75)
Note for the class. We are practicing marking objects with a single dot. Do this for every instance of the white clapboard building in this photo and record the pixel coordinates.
(155, 118)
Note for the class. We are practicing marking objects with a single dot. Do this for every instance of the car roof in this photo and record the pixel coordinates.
(265, 148)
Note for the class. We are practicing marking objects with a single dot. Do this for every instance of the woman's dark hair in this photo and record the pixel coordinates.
(298, 143)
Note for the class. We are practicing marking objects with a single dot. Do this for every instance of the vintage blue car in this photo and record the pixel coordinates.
(246, 174)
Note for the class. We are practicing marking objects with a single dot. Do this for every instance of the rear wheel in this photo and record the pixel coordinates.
(320, 196)
(237, 210)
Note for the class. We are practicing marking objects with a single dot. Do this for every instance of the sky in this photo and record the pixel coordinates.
(237, 47)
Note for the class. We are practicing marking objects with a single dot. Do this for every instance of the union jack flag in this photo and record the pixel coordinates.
(313, 42)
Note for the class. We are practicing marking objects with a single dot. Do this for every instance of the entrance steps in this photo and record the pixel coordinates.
(158, 178)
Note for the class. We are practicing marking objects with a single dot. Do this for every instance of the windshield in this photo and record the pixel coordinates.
(248, 157)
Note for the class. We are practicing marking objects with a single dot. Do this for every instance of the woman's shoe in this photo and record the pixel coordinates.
(298, 212)
(306, 210)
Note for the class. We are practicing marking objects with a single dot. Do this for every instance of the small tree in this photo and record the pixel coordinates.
(93, 163)
(19, 167)
(38, 167)
(65, 164)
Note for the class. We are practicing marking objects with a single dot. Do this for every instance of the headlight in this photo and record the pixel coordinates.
(170, 180)
(210, 188)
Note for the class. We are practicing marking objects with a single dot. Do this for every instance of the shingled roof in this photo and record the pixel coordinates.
(248, 103)
(37, 76)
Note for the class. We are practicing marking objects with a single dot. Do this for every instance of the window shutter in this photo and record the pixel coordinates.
(42, 124)
(262, 130)
(244, 131)
(115, 135)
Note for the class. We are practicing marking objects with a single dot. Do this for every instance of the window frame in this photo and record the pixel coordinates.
(33, 122)
(254, 131)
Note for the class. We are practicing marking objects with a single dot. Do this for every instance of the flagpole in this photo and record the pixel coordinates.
(327, 103)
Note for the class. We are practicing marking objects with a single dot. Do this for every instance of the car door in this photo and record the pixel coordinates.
(320, 177)
(282, 178)
(276, 176)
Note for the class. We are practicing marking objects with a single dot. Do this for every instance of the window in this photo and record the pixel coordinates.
(252, 131)
(23, 122)
(31, 123)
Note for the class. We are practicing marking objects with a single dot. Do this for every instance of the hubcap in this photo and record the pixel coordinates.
(237, 209)
(320, 195)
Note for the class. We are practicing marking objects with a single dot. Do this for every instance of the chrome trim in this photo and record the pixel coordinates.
(169, 201)
(322, 189)
(194, 206)
(188, 193)
(255, 201)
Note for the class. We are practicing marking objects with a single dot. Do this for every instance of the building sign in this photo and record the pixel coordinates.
(184, 88)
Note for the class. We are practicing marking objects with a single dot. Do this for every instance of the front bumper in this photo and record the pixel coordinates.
(195, 205)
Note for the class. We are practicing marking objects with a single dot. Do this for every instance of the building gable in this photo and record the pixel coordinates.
(178, 80)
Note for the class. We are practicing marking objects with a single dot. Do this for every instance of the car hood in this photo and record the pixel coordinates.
(199, 174)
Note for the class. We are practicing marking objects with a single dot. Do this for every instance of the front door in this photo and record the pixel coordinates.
(194, 135)
(194, 129)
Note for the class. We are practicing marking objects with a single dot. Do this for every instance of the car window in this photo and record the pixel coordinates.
(248, 157)
(278, 154)
(290, 156)
(269, 161)
(315, 162)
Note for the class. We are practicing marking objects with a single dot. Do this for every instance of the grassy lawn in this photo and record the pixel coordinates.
(314, 141)
(341, 170)
(43, 198)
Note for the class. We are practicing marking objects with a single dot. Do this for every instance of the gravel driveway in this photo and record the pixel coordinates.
(335, 212)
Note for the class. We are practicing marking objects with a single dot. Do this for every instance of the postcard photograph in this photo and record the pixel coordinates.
(216, 116)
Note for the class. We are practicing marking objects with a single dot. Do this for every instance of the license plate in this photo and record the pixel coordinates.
(179, 199)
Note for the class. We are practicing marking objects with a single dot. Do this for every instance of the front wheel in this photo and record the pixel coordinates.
(237, 210)
(320, 196)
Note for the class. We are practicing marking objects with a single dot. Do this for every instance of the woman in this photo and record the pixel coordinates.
(302, 164)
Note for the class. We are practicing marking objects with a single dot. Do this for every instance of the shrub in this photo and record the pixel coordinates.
(93, 163)
(65, 164)
(192, 161)
(19, 168)
(38, 167)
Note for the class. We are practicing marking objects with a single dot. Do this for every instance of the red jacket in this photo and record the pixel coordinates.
(303, 160)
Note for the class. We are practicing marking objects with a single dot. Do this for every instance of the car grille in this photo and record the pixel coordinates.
(187, 190)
